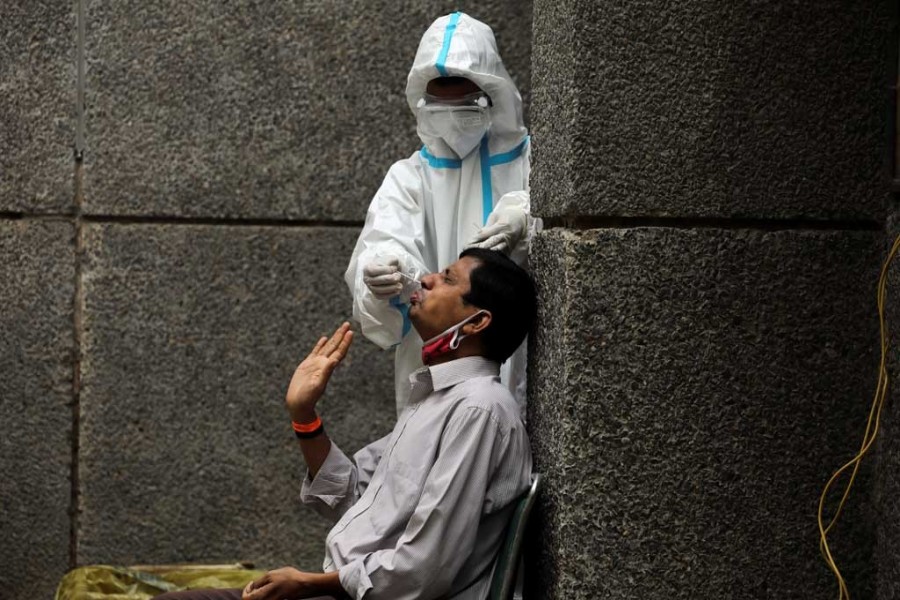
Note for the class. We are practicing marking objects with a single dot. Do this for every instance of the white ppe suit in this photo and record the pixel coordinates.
(432, 204)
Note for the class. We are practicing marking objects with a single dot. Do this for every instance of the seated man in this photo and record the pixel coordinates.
(420, 513)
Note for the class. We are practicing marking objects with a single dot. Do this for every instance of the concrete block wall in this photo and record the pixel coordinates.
(37, 351)
(158, 290)
(714, 180)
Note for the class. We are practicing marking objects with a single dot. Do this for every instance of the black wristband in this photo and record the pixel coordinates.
(310, 434)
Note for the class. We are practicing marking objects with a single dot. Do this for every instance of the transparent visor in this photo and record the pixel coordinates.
(475, 100)
(450, 120)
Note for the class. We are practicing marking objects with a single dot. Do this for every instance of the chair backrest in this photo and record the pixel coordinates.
(504, 580)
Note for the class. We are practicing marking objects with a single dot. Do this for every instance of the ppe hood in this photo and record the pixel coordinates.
(457, 45)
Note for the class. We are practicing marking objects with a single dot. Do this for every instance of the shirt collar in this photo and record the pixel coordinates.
(456, 371)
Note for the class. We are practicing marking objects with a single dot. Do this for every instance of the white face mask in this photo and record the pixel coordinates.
(460, 127)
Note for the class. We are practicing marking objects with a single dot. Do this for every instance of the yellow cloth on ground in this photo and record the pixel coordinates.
(103, 582)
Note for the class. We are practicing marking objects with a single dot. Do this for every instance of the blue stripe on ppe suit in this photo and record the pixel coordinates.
(445, 48)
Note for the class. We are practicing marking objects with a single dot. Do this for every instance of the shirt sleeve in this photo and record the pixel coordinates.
(340, 482)
(395, 224)
(442, 531)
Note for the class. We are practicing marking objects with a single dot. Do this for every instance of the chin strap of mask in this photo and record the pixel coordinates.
(445, 342)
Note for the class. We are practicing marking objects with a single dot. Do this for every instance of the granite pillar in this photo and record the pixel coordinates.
(713, 180)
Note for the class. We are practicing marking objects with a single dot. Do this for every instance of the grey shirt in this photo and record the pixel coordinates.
(421, 513)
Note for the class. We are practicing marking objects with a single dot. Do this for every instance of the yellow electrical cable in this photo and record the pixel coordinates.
(868, 437)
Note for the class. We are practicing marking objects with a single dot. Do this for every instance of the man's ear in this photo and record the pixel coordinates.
(477, 324)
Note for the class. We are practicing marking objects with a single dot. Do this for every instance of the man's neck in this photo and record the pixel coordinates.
(464, 350)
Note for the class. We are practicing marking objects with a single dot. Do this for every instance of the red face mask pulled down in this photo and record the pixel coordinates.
(445, 342)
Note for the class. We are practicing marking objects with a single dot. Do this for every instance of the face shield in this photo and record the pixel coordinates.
(460, 122)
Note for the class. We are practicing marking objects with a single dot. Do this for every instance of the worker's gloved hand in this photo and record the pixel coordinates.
(382, 276)
(504, 229)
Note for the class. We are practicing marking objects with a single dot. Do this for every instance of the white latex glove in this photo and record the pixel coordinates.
(504, 229)
(382, 276)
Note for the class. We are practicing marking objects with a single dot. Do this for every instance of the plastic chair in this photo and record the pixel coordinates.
(503, 584)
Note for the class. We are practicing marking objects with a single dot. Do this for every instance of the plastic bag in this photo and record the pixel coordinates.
(103, 582)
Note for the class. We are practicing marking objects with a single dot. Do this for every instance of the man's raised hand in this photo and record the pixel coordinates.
(312, 375)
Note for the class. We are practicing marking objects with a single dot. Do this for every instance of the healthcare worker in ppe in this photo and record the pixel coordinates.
(468, 186)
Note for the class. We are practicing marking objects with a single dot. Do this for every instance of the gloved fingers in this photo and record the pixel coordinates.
(387, 279)
(376, 269)
(515, 218)
(384, 286)
(486, 232)
(388, 260)
(475, 241)
(492, 219)
(495, 242)
(385, 292)
(491, 230)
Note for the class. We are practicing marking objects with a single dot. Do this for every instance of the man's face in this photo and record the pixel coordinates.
(439, 304)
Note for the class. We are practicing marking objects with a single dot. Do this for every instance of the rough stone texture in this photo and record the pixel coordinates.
(37, 85)
(265, 110)
(37, 277)
(691, 392)
(887, 563)
(712, 109)
(191, 335)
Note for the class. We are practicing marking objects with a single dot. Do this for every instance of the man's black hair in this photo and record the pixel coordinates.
(506, 290)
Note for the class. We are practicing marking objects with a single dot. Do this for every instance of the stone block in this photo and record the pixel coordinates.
(691, 392)
(37, 275)
(260, 110)
(37, 123)
(887, 447)
(192, 333)
(887, 459)
(711, 109)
